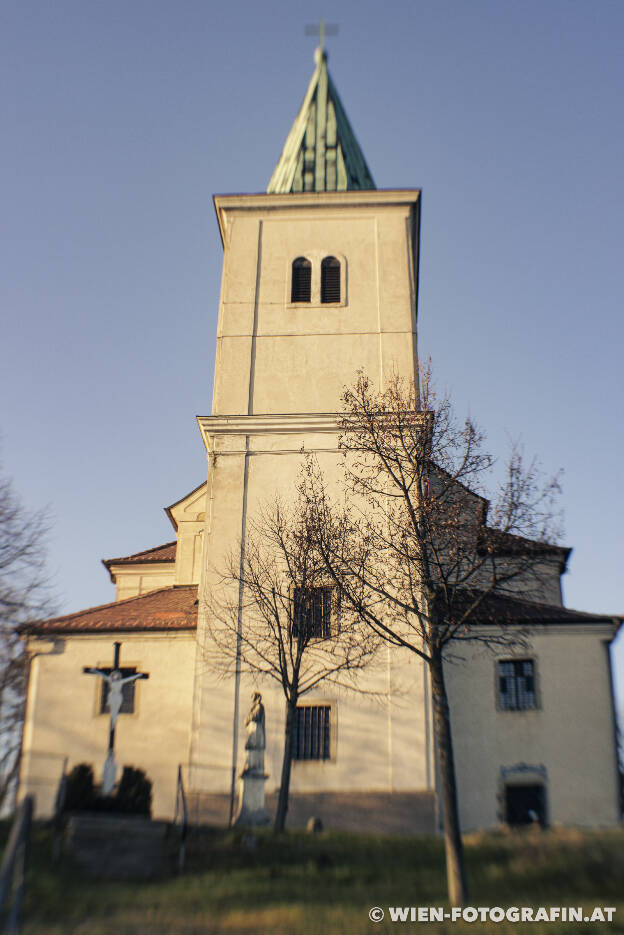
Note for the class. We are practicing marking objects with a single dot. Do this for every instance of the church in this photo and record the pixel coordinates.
(320, 280)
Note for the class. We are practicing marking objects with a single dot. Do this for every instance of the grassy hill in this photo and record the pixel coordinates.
(300, 884)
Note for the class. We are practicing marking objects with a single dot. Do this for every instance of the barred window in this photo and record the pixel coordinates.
(516, 685)
(312, 613)
(301, 280)
(127, 691)
(312, 733)
(330, 279)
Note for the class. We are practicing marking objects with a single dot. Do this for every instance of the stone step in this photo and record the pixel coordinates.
(121, 847)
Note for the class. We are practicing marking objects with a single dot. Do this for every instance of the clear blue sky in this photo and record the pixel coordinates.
(121, 119)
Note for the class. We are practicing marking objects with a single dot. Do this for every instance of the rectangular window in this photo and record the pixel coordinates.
(312, 735)
(127, 692)
(516, 685)
(312, 613)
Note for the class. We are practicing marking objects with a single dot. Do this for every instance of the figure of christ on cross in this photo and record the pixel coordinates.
(115, 681)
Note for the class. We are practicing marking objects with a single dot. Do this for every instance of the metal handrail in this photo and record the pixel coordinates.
(59, 813)
(182, 810)
(13, 867)
(224, 767)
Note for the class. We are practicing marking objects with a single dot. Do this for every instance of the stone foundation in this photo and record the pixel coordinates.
(385, 812)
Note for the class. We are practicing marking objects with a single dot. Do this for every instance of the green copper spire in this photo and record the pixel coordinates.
(321, 153)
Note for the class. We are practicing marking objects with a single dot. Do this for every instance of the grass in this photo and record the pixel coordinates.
(302, 884)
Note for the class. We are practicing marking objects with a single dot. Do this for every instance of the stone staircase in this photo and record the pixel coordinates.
(116, 846)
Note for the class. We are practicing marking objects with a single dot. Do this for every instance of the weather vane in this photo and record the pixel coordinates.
(323, 29)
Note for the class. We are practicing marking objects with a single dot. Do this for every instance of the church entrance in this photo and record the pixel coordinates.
(525, 804)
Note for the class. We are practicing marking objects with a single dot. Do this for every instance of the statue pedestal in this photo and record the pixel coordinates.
(251, 811)
(109, 774)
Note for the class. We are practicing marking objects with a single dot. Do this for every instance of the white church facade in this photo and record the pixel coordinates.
(320, 280)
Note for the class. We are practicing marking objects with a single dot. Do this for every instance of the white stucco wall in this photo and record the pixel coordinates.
(133, 580)
(379, 743)
(536, 579)
(63, 718)
(570, 736)
(381, 735)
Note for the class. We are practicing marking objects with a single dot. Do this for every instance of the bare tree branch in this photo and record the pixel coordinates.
(416, 550)
(24, 597)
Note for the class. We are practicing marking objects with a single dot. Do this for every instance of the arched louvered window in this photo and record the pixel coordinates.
(330, 279)
(301, 280)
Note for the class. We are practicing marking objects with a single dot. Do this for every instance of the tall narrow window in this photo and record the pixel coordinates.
(330, 279)
(301, 280)
(312, 613)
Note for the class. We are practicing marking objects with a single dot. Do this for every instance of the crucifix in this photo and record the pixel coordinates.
(323, 29)
(115, 681)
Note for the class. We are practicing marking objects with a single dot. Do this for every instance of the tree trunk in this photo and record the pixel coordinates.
(282, 802)
(455, 869)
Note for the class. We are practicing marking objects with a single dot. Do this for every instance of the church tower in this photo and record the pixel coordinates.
(320, 274)
(320, 280)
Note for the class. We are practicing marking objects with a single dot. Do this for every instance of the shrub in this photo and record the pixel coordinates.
(134, 793)
(105, 803)
(79, 790)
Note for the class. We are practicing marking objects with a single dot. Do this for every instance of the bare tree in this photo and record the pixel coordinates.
(620, 759)
(24, 597)
(278, 615)
(415, 549)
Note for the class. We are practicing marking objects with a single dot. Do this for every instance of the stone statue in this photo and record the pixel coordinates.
(251, 810)
(256, 739)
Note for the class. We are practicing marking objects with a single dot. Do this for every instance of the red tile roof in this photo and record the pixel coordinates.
(504, 609)
(160, 553)
(173, 608)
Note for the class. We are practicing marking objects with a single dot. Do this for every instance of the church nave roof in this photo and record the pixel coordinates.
(172, 608)
(159, 553)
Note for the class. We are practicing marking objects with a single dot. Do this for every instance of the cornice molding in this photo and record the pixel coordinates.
(291, 423)
(263, 205)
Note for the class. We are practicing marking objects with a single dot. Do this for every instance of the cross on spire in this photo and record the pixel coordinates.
(323, 29)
